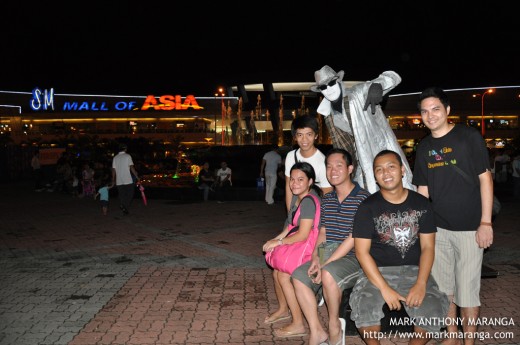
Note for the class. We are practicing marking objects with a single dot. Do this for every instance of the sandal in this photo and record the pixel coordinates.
(280, 318)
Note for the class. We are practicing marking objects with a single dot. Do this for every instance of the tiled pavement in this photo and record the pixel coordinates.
(170, 273)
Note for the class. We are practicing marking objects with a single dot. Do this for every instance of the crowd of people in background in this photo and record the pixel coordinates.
(505, 168)
(219, 181)
(83, 177)
(73, 176)
(89, 178)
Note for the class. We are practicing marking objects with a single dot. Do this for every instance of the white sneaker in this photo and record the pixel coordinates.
(321, 302)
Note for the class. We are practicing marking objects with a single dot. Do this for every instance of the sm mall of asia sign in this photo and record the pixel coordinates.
(43, 100)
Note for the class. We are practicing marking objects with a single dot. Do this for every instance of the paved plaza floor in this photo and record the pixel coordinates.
(173, 273)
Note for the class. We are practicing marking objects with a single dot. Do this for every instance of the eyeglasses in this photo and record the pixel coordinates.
(330, 83)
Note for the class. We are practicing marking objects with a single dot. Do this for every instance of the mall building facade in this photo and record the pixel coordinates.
(245, 115)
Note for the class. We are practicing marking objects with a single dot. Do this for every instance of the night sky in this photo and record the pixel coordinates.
(169, 47)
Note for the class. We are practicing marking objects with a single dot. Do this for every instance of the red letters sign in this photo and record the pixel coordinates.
(169, 102)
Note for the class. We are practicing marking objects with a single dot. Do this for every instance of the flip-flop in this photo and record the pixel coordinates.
(341, 341)
(281, 318)
(343, 324)
(288, 334)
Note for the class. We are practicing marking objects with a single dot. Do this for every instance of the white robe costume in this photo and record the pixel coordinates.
(371, 132)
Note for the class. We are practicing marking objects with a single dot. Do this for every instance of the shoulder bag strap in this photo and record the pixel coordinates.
(496, 203)
(316, 214)
(317, 211)
(296, 215)
(463, 174)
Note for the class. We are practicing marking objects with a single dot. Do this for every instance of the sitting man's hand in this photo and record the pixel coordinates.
(374, 97)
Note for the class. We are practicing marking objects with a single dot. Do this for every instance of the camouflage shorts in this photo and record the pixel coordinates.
(367, 302)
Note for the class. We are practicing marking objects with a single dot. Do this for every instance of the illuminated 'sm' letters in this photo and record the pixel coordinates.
(42, 100)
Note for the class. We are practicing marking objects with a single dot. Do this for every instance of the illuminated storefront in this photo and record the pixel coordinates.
(45, 115)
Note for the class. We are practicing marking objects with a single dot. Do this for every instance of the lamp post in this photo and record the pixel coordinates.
(215, 122)
(482, 125)
(223, 111)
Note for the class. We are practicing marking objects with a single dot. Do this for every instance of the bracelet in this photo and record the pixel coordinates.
(486, 223)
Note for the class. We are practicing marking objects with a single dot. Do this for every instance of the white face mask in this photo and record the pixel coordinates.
(332, 93)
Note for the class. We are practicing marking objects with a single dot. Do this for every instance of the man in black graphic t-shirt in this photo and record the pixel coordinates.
(394, 236)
